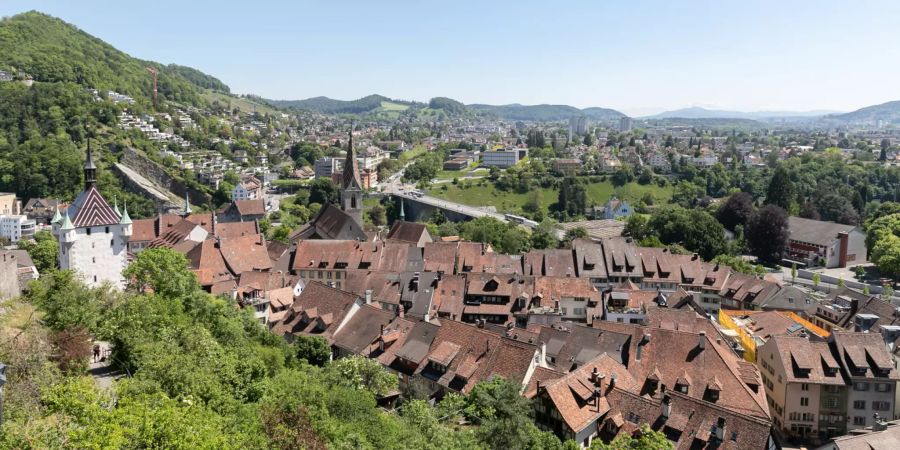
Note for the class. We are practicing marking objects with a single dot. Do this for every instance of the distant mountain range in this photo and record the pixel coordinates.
(697, 112)
(888, 112)
(510, 112)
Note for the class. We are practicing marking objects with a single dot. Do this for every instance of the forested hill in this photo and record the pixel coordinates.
(889, 112)
(516, 111)
(51, 50)
(331, 106)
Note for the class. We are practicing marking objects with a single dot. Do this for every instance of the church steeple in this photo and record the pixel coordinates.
(90, 169)
(351, 187)
(351, 169)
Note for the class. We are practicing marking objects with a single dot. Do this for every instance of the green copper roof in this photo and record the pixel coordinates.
(56, 216)
(67, 223)
(125, 219)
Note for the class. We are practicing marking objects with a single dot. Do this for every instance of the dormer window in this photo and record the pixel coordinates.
(682, 388)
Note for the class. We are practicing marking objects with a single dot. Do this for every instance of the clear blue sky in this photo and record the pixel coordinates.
(635, 56)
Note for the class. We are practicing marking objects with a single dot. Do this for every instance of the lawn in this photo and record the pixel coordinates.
(391, 106)
(411, 154)
(245, 105)
(511, 202)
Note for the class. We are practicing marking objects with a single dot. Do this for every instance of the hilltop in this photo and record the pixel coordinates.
(379, 103)
(696, 112)
(889, 112)
(51, 50)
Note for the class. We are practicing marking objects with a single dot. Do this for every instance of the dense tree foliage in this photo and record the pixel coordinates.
(695, 229)
(44, 251)
(736, 210)
(767, 233)
(201, 373)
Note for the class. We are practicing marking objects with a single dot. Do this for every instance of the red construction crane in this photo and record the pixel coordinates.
(153, 72)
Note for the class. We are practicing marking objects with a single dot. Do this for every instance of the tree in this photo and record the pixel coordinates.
(543, 236)
(739, 265)
(572, 198)
(323, 191)
(644, 439)
(588, 140)
(695, 229)
(622, 176)
(637, 226)
(313, 349)
(504, 417)
(572, 234)
(67, 303)
(816, 279)
(885, 145)
(834, 207)
(44, 251)
(377, 215)
(781, 190)
(358, 372)
(736, 210)
(878, 228)
(793, 273)
(886, 254)
(767, 233)
(162, 270)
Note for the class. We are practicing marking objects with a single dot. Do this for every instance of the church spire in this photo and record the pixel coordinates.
(351, 170)
(90, 169)
(187, 204)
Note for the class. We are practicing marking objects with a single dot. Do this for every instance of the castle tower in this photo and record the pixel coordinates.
(93, 236)
(351, 187)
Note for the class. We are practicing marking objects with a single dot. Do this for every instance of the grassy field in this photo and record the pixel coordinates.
(391, 106)
(511, 202)
(409, 155)
(245, 105)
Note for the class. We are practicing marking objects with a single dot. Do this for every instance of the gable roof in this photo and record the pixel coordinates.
(90, 209)
(816, 231)
(410, 232)
(331, 223)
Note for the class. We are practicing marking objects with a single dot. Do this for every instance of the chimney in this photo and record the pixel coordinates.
(401, 313)
(283, 282)
(843, 248)
(720, 429)
(666, 406)
(595, 374)
(702, 341)
(368, 296)
(382, 330)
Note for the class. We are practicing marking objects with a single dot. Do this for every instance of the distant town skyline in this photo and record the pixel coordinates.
(640, 58)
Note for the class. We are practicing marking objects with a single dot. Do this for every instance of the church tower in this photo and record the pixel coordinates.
(93, 236)
(351, 187)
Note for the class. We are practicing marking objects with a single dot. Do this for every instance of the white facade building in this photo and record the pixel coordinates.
(16, 227)
(93, 236)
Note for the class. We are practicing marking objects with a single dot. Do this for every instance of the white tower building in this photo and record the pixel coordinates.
(93, 237)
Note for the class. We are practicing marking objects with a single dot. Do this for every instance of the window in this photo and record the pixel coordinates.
(88, 231)
(804, 401)
(881, 405)
(353, 202)
(94, 260)
(112, 242)
(860, 386)
(107, 229)
(883, 387)
(859, 420)
(859, 404)
(804, 387)
(831, 402)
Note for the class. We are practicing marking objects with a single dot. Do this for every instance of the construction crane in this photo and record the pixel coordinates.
(153, 72)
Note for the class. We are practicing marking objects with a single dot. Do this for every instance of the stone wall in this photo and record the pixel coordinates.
(155, 172)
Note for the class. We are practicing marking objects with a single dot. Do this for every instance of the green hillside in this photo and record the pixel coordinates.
(541, 113)
(889, 112)
(44, 127)
(51, 50)
(331, 106)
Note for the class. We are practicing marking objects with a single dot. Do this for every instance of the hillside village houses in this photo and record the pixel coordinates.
(604, 336)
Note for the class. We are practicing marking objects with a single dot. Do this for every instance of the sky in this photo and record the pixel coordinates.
(639, 57)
